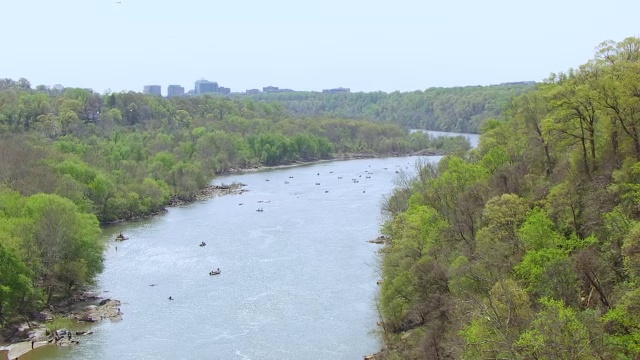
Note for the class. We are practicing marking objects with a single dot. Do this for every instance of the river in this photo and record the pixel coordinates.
(298, 279)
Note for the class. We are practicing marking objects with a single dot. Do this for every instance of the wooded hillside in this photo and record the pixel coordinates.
(529, 247)
(457, 109)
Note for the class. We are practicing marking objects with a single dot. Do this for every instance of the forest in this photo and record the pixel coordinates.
(528, 247)
(457, 109)
(73, 160)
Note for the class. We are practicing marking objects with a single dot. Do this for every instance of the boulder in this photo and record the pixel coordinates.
(108, 308)
(90, 295)
(379, 240)
(43, 316)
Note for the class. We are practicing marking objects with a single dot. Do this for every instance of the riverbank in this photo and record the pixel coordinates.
(45, 331)
(341, 157)
(210, 191)
(17, 339)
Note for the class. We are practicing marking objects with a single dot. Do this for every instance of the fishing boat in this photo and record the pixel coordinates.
(216, 272)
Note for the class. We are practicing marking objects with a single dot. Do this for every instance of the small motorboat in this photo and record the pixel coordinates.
(216, 272)
(202, 244)
(121, 237)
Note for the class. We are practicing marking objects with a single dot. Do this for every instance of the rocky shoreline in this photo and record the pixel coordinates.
(209, 192)
(21, 338)
(24, 337)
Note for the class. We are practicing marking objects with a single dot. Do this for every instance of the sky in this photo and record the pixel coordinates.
(364, 45)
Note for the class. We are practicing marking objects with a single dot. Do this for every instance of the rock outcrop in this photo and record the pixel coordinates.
(107, 309)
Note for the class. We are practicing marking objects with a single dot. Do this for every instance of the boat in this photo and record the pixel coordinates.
(217, 272)
(121, 237)
(202, 244)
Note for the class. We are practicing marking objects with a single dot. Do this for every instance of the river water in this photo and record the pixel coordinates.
(298, 279)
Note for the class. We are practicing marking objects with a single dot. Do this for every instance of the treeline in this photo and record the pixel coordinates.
(457, 109)
(529, 247)
(124, 155)
(72, 159)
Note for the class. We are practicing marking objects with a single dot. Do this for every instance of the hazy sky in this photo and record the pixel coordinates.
(365, 45)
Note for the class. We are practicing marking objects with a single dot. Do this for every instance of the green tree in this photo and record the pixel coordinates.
(621, 323)
(532, 109)
(556, 333)
(497, 323)
(631, 252)
(16, 285)
(499, 248)
(60, 235)
(577, 114)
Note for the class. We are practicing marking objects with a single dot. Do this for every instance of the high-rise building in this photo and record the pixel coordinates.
(205, 86)
(175, 90)
(152, 90)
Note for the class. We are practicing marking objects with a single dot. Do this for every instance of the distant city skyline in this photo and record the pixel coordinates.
(204, 86)
(373, 45)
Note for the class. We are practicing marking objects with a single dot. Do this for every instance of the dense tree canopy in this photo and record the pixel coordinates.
(48, 247)
(123, 155)
(529, 246)
(458, 109)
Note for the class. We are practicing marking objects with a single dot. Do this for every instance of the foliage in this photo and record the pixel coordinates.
(125, 155)
(556, 333)
(47, 248)
(457, 109)
(538, 252)
(15, 282)
(59, 323)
